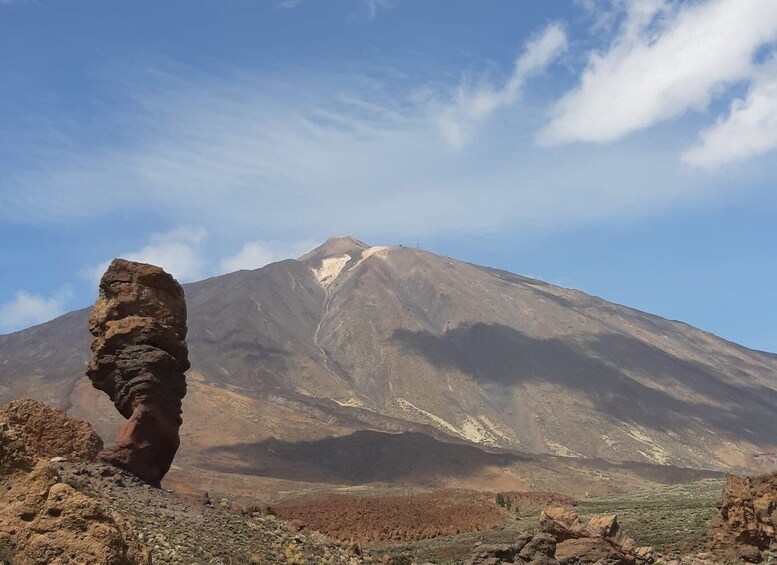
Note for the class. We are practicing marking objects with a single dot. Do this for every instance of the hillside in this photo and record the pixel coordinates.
(304, 355)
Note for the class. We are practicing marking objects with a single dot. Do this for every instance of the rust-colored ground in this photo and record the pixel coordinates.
(397, 518)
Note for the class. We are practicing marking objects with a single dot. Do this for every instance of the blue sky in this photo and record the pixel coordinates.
(625, 148)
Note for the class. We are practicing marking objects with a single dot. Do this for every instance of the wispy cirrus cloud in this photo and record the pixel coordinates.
(666, 58)
(312, 155)
(306, 154)
(473, 104)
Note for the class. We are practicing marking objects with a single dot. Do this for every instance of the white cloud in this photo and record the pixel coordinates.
(471, 106)
(29, 309)
(305, 155)
(666, 59)
(176, 251)
(749, 129)
(256, 254)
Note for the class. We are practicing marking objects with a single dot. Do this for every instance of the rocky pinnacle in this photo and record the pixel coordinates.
(139, 357)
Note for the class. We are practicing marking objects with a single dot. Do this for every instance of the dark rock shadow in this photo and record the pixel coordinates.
(598, 368)
(358, 458)
(407, 458)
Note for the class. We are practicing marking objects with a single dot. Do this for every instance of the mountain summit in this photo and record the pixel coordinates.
(334, 246)
(354, 338)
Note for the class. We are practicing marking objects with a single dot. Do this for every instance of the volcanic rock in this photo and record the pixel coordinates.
(45, 521)
(14, 457)
(42, 429)
(747, 518)
(600, 541)
(139, 359)
(537, 549)
(42, 519)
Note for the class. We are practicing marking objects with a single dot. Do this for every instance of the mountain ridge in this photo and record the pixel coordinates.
(354, 337)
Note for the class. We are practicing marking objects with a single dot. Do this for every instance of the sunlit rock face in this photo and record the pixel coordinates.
(139, 356)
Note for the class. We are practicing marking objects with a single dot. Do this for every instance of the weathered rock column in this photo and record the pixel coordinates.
(139, 359)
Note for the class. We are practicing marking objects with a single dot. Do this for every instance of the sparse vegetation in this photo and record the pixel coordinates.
(403, 559)
(672, 519)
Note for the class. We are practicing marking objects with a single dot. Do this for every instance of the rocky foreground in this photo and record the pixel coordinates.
(68, 508)
(60, 505)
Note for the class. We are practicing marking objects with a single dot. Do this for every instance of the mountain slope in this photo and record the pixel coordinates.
(352, 337)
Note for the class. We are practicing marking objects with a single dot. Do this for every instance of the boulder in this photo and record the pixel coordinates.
(563, 524)
(537, 549)
(590, 550)
(600, 541)
(44, 521)
(745, 524)
(139, 360)
(43, 428)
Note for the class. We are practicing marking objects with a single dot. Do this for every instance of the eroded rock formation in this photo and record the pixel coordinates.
(600, 541)
(139, 359)
(42, 519)
(746, 520)
(566, 541)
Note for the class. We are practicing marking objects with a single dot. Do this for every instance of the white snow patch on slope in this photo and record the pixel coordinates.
(330, 269)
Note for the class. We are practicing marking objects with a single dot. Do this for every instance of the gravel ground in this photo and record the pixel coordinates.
(187, 530)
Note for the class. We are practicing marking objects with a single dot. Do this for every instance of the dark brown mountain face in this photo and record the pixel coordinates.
(390, 339)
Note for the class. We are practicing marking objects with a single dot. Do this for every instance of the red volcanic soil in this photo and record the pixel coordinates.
(397, 518)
